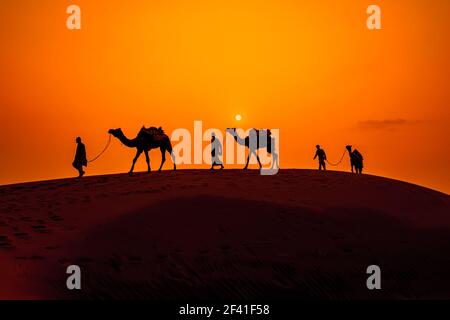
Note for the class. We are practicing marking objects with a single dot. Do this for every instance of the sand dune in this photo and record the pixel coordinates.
(224, 235)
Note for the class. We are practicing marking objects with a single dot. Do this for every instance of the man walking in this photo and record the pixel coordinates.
(320, 153)
(80, 158)
(216, 152)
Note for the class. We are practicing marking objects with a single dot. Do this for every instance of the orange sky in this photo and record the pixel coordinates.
(310, 68)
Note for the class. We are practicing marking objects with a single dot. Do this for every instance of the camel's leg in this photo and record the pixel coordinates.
(275, 159)
(172, 156)
(259, 161)
(173, 160)
(138, 153)
(248, 160)
(147, 158)
(163, 158)
(249, 156)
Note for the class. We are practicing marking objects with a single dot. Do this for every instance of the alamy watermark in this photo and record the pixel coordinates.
(373, 21)
(374, 280)
(242, 147)
(73, 281)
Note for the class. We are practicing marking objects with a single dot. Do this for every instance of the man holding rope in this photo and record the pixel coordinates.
(320, 153)
(80, 158)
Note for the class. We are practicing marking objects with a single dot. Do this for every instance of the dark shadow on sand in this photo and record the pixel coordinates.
(206, 248)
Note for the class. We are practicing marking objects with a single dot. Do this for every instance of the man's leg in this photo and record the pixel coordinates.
(80, 171)
(321, 165)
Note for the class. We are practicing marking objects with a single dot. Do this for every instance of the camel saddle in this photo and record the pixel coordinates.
(156, 133)
(264, 134)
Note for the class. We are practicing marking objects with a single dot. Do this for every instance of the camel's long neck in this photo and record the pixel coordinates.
(129, 143)
(238, 139)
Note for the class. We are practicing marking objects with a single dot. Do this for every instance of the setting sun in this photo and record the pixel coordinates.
(238, 117)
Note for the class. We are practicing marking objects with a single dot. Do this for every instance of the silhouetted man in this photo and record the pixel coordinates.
(80, 157)
(216, 151)
(320, 153)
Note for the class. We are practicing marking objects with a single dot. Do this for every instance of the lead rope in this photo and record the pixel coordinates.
(103, 151)
(337, 163)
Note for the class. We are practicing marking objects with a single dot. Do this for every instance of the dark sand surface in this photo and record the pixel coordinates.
(196, 234)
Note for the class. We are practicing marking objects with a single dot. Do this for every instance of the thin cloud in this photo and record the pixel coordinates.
(387, 124)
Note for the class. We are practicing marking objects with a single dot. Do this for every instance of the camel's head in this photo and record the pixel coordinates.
(115, 132)
(349, 148)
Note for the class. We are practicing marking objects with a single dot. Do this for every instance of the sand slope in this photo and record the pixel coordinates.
(224, 235)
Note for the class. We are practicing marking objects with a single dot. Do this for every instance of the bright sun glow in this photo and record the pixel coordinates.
(238, 117)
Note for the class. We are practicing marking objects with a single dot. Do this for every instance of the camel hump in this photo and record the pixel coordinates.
(253, 131)
(261, 132)
(156, 133)
(358, 155)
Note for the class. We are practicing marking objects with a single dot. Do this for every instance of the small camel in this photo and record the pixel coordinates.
(147, 139)
(260, 143)
(356, 160)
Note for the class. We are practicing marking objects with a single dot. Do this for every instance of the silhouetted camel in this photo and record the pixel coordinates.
(147, 139)
(260, 143)
(356, 159)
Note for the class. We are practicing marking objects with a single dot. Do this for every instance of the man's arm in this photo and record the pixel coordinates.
(83, 152)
